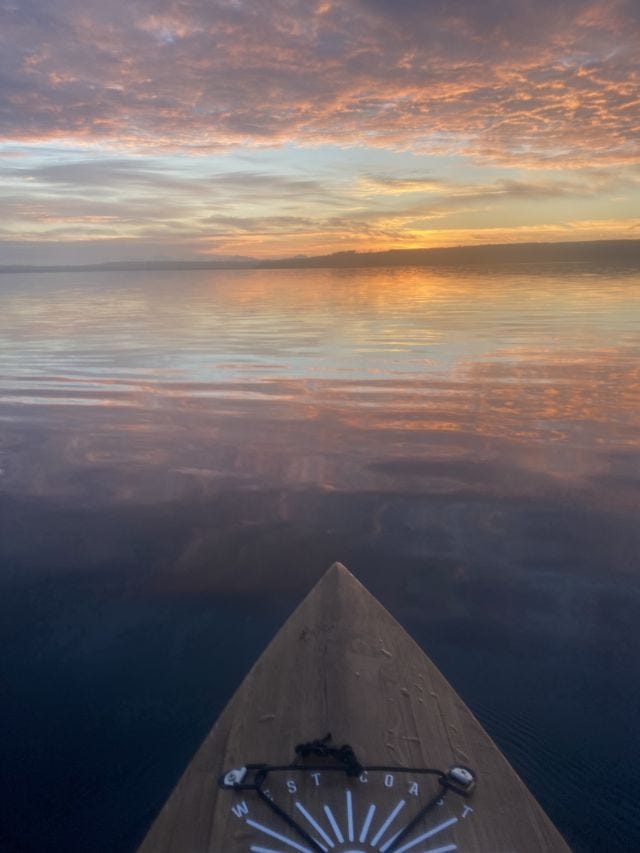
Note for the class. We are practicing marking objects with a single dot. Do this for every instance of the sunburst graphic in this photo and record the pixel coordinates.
(344, 833)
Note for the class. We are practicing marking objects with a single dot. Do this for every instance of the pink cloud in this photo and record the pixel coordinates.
(534, 83)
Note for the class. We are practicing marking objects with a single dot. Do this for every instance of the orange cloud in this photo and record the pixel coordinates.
(535, 84)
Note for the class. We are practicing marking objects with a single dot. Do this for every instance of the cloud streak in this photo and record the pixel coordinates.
(127, 196)
(540, 83)
(136, 207)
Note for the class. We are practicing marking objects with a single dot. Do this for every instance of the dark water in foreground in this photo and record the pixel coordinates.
(182, 456)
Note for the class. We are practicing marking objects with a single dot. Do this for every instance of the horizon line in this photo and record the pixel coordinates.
(559, 251)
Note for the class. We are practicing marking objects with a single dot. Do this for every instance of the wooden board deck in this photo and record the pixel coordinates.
(342, 664)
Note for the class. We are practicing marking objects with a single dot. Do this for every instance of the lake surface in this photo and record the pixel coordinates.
(183, 454)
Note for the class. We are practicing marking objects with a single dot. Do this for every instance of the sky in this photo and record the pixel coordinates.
(179, 129)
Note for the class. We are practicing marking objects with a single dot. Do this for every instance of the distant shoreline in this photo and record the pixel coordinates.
(623, 252)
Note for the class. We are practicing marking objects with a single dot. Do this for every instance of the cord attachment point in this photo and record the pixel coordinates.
(460, 779)
(234, 777)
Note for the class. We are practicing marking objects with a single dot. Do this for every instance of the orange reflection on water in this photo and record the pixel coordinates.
(170, 384)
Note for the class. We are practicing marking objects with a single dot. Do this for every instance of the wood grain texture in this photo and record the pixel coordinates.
(342, 664)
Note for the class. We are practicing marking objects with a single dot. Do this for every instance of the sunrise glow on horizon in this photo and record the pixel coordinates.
(192, 130)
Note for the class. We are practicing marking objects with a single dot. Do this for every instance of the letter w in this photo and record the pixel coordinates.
(240, 809)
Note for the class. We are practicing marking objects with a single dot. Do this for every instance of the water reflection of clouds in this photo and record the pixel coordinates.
(206, 326)
(560, 417)
(476, 402)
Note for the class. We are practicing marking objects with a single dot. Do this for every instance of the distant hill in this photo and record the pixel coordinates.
(595, 251)
(133, 266)
(609, 252)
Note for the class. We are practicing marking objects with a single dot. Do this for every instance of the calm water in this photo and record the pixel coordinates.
(183, 454)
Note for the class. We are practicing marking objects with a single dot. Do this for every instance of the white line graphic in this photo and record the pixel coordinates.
(334, 825)
(255, 849)
(388, 843)
(445, 849)
(277, 835)
(424, 836)
(349, 816)
(387, 824)
(314, 823)
(367, 823)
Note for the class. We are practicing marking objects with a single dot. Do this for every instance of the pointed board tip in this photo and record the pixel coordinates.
(338, 568)
(339, 573)
(340, 581)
